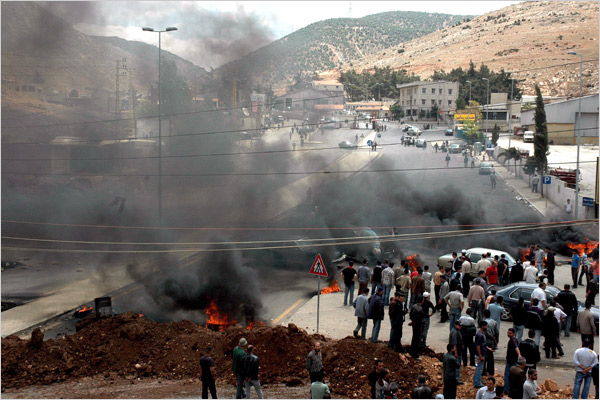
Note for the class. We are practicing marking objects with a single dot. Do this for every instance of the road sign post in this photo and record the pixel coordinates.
(318, 268)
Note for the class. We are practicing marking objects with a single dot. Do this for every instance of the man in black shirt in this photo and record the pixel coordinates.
(375, 375)
(502, 270)
(451, 367)
(376, 277)
(416, 321)
(568, 301)
(208, 369)
(516, 272)
(550, 265)
(422, 391)
(349, 274)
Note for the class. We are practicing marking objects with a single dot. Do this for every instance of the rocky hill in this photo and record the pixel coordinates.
(335, 42)
(531, 38)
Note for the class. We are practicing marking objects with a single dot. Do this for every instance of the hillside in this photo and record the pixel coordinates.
(335, 42)
(526, 37)
(37, 44)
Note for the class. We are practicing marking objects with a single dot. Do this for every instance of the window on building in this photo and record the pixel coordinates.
(433, 102)
(439, 102)
(449, 91)
(440, 91)
(423, 102)
(432, 90)
(449, 102)
(423, 90)
(415, 90)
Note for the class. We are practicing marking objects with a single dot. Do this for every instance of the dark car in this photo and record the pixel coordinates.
(512, 292)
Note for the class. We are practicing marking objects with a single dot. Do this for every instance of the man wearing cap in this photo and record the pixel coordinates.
(376, 313)
(428, 311)
(314, 363)
(475, 300)
(239, 351)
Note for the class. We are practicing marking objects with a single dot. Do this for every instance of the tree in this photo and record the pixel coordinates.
(540, 140)
(435, 111)
(422, 113)
(471, 131)
(397, 110)
(495, 134)
(512, 154)
(460, 103)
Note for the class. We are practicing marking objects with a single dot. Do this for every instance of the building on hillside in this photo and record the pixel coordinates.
(417, 96)
(311, 103)
(563, 123)
(328, 86)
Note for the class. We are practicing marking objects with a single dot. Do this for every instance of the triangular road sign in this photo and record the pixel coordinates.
(318, 267)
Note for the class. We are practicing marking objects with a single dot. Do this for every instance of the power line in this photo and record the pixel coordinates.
(261, 173)
(227, 154)
(431, 235)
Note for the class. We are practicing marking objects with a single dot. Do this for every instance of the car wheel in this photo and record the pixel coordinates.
(505, 314)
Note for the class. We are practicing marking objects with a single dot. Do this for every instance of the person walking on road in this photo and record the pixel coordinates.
(493, 179)
(239, 351)
(207, 363)
(361, 313)
(349, 274)
(585, 324)
(364, 276)
(447, 160)
(444, 290)
(314, 362)
(250, 365)
(585, 359)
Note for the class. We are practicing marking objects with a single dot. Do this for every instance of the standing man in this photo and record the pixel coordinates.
(416, 321)
(493, 178)
(239, 351)
(361, 312)
(568, 301)
(451, 368)
(480, 350)
(250, 368)
(318, 389)
(530, 274)
(531, 390)
(519, 315)
(455, 343)
(398, 272)
(376, 276)
(349, 274)
(388, 280)
(591, 290)
(476, 299)
(540, 294)
(364, 275)
(207, 363)
(539, 258)
(428, 311)
(516, 379)
(534, 183)
(467, 269)
(427, 277)
(455, 261)
(585, 359)
(512, 356)
(584, 267)
(585, 324)
(550, 265)
(468, 331)
(483, 264)
(516, 272)
(397, 312)
(502, 270)
(418, 285)
(437, 283)
(444, 290)
(456, 303)
(530, 350)
(550, 332)
(376, 313)
(405, 282)
(496, 309)
(314, 362)
(575, 262)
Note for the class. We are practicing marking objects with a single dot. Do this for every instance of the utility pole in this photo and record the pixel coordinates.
(121, 71)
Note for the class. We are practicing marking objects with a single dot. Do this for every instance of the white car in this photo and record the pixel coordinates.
(528, 136)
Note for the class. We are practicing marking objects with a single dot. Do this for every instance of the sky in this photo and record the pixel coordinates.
(211, 33)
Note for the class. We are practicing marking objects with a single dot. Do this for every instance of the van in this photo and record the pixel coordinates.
(528, 136)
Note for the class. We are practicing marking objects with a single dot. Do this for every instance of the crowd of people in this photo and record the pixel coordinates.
(466, 296)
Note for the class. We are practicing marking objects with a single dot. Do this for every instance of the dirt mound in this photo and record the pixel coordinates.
(130, 346)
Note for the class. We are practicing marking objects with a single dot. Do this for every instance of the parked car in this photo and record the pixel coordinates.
(413, 131)
(475, 255)
(454, 148)
(421, 143)
(512, 292)
(449, 132)
(345, 144)
(528, 136)
(485, 168)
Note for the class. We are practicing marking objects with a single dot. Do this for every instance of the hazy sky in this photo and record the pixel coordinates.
(212, 32)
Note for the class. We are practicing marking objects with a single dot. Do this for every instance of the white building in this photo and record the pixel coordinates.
(416, 96)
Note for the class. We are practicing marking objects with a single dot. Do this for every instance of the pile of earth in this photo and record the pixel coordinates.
(131, 346)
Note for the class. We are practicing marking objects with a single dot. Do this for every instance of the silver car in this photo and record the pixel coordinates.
(474, 255)
(485, 168)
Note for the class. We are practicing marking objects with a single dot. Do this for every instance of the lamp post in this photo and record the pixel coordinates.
(169, 29)
(487, 91)
(469, 82)
(510, 108)
(576, 128)
(379, 84)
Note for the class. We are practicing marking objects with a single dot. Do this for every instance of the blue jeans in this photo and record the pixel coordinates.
(424, 331)
(478, 372)
(477, 311)
(587, 381)
(519, 331)
(454, 316)
(375, 331)
(506, 373)
(239, 394)
(349, 289)
(567, 327)
(387, 289)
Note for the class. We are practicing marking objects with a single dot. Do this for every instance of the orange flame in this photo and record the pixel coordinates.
(252, 324)
(581, 247)
(85, 309)
(524, 255)
(333, 287)
(140, 315)
(414, 261)
(217, 318)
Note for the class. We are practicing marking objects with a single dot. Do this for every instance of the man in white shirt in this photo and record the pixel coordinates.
(488, 391)
(530, 273)
(531, 390)
(483, 264)
(540, 294)
(585, 359)
(539, 258)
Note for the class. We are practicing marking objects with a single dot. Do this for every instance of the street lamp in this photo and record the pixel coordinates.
(487, 91)
(379, 84)
(577, 133)
(510, 108)
(169, 29)
(469, 82)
